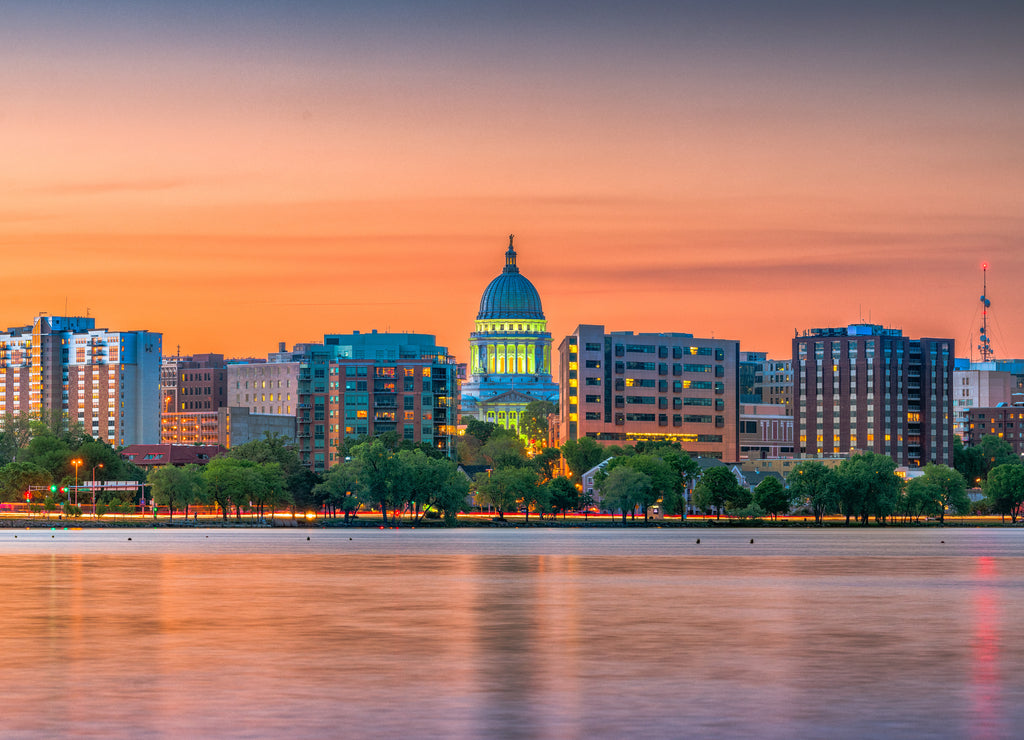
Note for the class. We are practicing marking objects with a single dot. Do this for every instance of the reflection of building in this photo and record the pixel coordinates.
(107, 381)
(623, 388)
(192, 388)
(510, 351)
(863, 387)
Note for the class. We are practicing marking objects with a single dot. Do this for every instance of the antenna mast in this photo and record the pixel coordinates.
(984, 344)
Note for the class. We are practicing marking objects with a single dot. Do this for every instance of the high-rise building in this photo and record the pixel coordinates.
(867, 388)
(510, 351)
(355, 385)
(984, 385)
(622, 387)
(192, 389)
(107, 381)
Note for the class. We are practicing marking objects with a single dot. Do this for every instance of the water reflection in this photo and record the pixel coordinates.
(518, 635)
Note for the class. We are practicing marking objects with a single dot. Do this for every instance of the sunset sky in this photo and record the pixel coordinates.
(234, 174)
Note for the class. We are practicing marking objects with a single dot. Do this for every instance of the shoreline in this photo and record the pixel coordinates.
(374, 522)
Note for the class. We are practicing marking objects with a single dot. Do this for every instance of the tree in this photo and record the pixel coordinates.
(1004, 489)
(624, 487)
(339, 489)
(664, 480)
(950, 487)
(716, 489)
(504, 451)
(581, 455)
(17, 477)
(546, 461)
(868, 486)
(814, 483)
(563, 495)
(380, 482)
(504, 488)
(533, 421)
(687, 470)
(921, 498)
(773, 497)
(227, 480)
(172, 486)
(995, 451)
(481, 430)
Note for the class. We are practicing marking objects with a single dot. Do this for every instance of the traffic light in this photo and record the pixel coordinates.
(28, 496)
(63, 489)
(53, 488)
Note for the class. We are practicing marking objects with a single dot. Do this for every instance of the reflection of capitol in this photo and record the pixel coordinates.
(510, 351)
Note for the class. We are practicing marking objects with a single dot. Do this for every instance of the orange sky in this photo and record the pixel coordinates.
(234, 178)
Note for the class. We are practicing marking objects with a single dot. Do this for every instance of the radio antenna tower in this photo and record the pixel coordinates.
(984, 344)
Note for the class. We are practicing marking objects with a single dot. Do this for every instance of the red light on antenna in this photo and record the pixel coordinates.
(984, 265)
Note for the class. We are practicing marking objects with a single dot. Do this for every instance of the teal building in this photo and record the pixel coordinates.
(510, 351)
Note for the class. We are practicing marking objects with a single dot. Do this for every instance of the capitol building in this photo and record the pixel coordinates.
(510, 351)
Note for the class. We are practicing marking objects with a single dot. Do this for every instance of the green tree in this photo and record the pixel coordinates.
(176, 487)
(339, 490)
(16, 434)
(968, 462)
(1004, 489)
(717, 489)
(815, 484)
(995, 451)
(381, 481)
(563, 495)
(271, 490)
(581, 455)
(773, 497)
(951, 489)
(504, 488)
(227, 481)
(546, 462)
(533, 421)
(921, 497)
(481, 430)
(664, 480)
(504, 451)
(17, 477)
(687, 471)
(868, 486)
(624, 487)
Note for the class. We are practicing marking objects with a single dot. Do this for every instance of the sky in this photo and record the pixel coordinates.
(235, 174)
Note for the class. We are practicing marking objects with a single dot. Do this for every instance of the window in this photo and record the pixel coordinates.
(592, 347)
(593, 399)
(592, 381)
(594, 364)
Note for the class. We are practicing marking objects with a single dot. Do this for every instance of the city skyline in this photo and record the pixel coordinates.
(234, 177)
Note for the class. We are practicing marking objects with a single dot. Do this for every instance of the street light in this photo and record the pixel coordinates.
(97, 465)
(77, 462)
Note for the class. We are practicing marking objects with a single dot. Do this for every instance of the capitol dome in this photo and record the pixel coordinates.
(510, 295)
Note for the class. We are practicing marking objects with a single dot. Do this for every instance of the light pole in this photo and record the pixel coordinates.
(77, 462)
(97, 465)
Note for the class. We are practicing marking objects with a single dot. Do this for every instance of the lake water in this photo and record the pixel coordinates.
(512, 633)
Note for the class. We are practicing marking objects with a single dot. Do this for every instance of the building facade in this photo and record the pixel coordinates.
(192, 389)
(984, 385)
(867, 388)
(622, 387)
(107, 381)
(1005, 422)
(510, 351)
(356, 385)
(766, 431)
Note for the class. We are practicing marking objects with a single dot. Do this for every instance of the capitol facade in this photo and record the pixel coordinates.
(510, 351)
